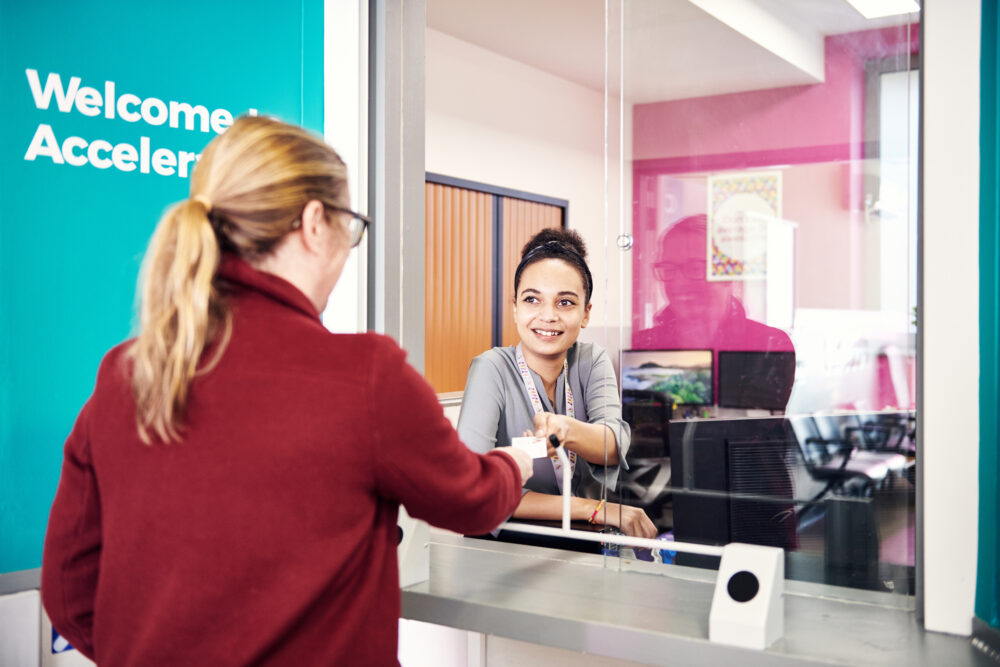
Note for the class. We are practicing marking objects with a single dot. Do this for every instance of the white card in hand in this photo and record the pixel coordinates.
(535, 447)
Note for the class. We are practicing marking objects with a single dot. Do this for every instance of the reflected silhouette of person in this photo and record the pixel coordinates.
(707, 315)
(704, 314)
(701, 314)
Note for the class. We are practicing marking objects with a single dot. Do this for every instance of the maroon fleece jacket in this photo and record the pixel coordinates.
(267, 536)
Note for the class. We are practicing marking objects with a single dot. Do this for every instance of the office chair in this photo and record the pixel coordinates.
(886, 432)
(832, 461)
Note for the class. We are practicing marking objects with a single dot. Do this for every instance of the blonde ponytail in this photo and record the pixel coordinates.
(179, 311)
(248, 188)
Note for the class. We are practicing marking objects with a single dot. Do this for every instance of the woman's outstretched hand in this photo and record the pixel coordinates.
(523, 460)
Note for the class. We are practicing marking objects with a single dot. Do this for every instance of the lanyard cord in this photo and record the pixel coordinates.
(536, 403)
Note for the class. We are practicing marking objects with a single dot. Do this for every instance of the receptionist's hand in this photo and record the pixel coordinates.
(548, 423)
(633, 520)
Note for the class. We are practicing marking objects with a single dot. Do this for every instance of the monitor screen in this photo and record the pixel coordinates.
(756, 380)
(684, 375)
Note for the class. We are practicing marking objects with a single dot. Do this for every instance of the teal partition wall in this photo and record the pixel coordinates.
(988, 579)
(105, 105)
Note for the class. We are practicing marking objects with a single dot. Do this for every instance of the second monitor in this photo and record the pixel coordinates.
(684, 375)
(756, 380)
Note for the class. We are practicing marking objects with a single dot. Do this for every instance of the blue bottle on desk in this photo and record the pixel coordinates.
(667, 556)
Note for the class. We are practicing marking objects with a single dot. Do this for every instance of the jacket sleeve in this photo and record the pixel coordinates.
(72, 552)
(419, 460)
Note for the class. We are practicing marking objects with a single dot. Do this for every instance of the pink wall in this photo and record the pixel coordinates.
(813, 126)
(829, 269)
(813, 123)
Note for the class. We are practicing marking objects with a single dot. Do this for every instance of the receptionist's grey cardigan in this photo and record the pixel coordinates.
(496, 408)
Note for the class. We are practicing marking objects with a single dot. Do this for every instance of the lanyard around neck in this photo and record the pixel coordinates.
(536, 403)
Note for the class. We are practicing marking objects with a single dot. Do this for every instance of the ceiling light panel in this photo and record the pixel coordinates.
(873, 9)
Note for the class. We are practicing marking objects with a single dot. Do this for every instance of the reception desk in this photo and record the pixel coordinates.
(655, 614)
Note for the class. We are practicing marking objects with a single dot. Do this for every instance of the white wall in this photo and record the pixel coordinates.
(20, 629)
(950, 314)
(345, 124)
(498, 121)
(26, 637)
(427, 645)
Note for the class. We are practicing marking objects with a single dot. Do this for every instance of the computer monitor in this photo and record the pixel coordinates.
(684, 375)
(755, 380)
(731, 482)
(648, 414)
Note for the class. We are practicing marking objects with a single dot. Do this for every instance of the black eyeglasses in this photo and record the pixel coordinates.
(356, 226)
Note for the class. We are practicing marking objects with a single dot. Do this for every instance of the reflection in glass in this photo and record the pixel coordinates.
(774, 221)
(701, 313)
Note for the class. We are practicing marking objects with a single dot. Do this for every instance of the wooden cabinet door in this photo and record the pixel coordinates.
(458, 298)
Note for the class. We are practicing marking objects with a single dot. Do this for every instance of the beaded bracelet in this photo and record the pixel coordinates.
(596, 510)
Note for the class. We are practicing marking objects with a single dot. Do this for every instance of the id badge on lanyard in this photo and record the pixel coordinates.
(536, 403)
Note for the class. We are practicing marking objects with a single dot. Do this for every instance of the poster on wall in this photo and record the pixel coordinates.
(740, 207)
(107, 107)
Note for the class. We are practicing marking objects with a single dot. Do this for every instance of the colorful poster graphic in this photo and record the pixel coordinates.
(740, 206)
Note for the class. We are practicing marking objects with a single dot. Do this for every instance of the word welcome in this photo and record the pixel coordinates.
(101, 154)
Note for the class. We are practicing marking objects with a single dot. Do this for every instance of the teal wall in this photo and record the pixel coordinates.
(988, 579)
(72, 237)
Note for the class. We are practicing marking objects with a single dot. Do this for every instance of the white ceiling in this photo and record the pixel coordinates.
(673, 48)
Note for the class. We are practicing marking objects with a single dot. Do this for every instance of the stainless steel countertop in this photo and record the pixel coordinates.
(656, 614)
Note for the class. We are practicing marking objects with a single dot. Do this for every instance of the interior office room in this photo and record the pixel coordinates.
(790, 211)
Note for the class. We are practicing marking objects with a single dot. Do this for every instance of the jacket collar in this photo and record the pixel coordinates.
(237, 271)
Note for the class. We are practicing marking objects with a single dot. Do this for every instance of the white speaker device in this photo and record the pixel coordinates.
(748, 608)
(414, 549)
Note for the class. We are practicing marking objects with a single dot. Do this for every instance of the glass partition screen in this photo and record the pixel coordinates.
(744, 179)
(773, 222)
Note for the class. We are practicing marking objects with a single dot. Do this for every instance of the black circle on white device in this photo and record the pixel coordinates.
(743, 586)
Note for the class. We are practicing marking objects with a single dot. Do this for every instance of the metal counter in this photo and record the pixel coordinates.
(656, 614)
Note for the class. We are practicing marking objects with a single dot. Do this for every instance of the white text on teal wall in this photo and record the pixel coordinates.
(124, 156)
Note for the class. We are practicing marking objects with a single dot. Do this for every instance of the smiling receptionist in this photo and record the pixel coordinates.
(552, 384)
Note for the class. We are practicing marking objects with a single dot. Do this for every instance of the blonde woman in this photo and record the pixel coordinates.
(229, 492)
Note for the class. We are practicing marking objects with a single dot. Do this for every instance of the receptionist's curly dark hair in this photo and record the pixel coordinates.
(557, 243)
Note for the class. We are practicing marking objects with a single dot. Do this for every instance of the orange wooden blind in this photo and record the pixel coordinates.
(458, 296)
(521, 220)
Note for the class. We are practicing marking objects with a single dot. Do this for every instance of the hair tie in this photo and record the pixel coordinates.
(553, 244)
(203, 200)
